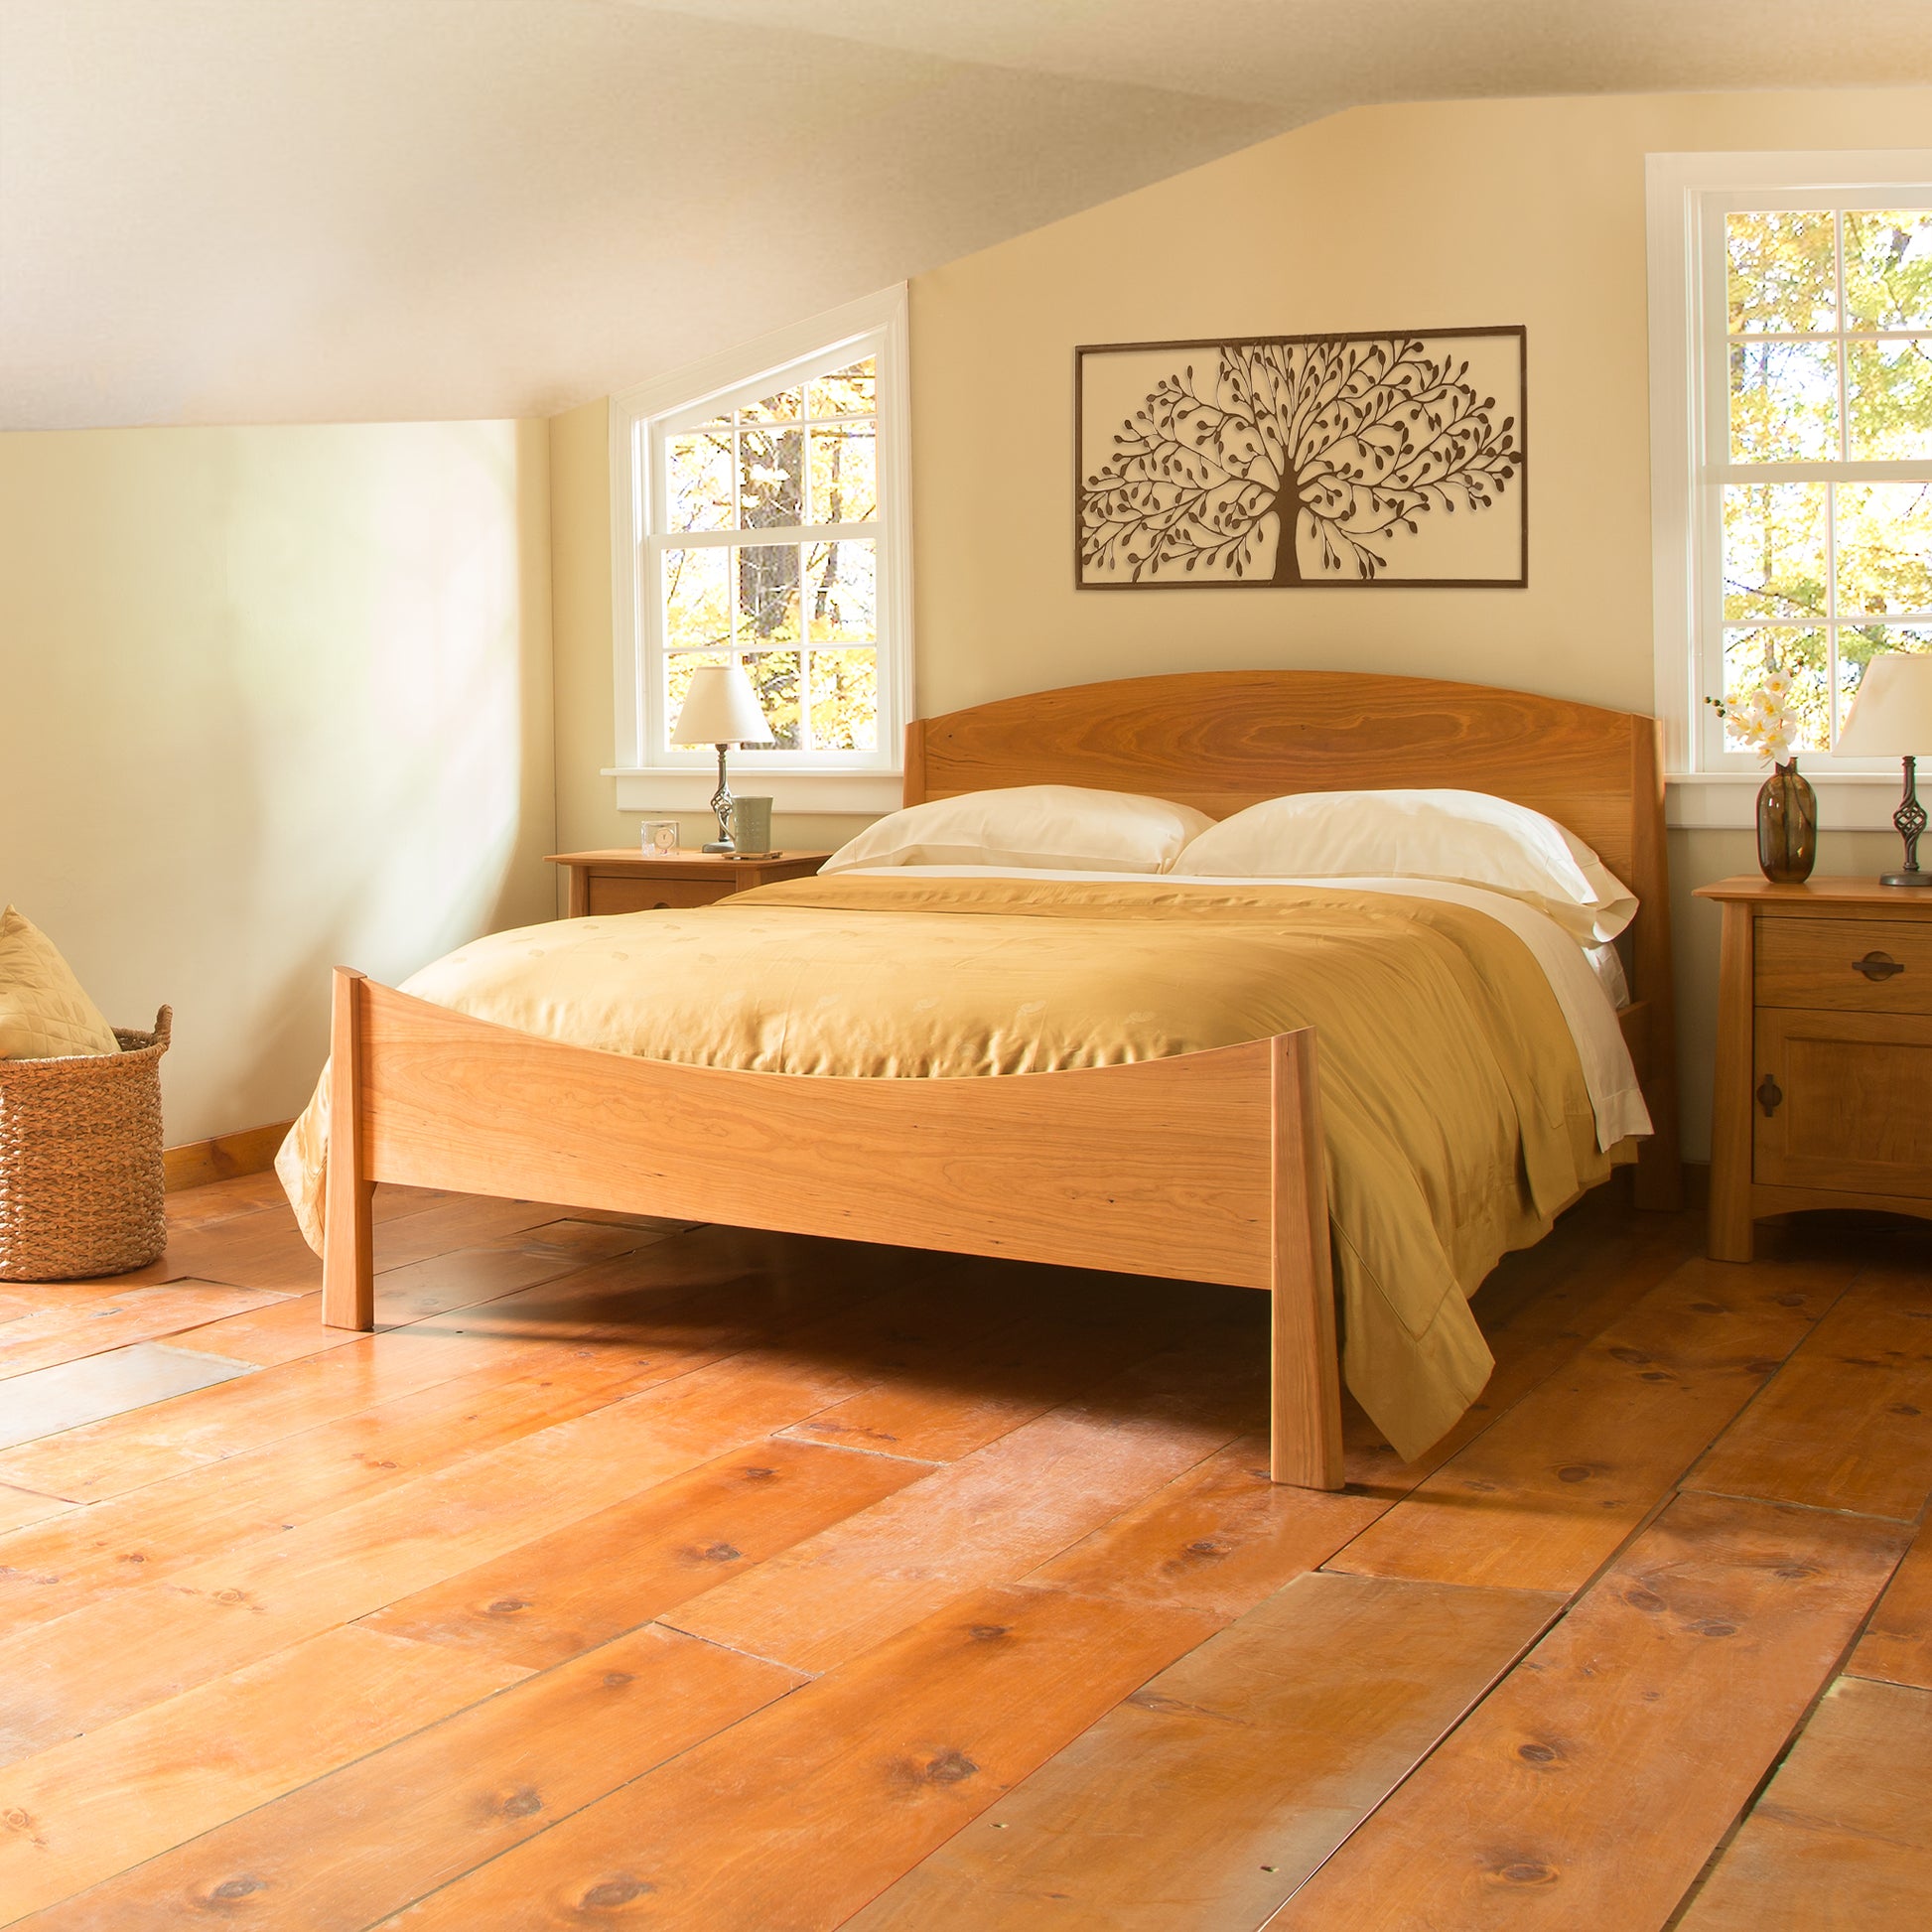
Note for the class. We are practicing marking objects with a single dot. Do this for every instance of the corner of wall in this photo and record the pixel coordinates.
(579, 622)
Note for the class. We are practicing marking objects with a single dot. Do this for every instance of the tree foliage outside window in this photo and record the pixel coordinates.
(1826, 493)
(767, 554)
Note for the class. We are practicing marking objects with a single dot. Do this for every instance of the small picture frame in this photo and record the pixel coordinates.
(659, 835)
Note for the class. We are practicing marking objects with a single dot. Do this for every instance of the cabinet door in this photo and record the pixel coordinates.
(1850, 1102)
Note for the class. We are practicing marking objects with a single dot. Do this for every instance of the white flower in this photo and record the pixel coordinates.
(1764, 720)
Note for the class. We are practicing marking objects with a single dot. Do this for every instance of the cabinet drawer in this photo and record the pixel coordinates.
(616, 891)
(1817, 963)
(1848, 1098)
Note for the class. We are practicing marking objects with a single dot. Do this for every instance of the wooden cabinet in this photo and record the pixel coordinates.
(644, 882)
(1824, 1093)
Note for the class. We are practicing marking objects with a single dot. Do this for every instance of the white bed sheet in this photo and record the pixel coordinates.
(1585, 992)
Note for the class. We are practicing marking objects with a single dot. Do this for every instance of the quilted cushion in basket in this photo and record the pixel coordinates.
(45, 1013)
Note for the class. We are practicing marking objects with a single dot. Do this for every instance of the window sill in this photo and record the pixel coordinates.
(1848, 801)
(817, 795)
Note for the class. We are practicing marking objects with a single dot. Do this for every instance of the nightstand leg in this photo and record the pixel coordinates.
(1731, 1236)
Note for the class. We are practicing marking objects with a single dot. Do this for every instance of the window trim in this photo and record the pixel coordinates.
(1679, 191)
(803, 781)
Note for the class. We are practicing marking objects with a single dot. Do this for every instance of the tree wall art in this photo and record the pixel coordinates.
(1287, 462)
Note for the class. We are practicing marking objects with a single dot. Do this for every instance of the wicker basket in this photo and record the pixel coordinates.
(82, 1187)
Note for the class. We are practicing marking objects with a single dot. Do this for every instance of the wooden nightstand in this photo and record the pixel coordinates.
(644, 882)
(1824, 1095)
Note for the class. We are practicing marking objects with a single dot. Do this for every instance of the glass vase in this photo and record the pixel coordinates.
(1787, 826)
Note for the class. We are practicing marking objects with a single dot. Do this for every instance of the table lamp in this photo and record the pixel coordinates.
(721, 709)
(1891, 717)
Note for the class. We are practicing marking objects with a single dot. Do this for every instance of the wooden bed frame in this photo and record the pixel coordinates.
(1204, 1166)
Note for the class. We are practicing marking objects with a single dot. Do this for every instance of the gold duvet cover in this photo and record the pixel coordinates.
(1454, 1106)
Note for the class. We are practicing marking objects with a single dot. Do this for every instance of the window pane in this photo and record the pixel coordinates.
(1889, 269)
(678, 681)
(770, 478)
(845, 487)
(852, 391)
(774, 677)
(845, 700)
(1889, 391)
(1884, 549)
(841, 580)
(783, 407)
(1856, 649)
(767, 594)
(1774, 550)
(699, 474)
(1783, 401)
(1783, 271)
(697, 600)
(1752, 656)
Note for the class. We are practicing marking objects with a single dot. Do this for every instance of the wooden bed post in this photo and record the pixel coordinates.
(1305, 1376)
(347, 1242)
(1659, 1183)
(913, 791)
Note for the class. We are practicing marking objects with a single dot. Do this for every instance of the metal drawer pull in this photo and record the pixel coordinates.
(1769, 1093)
(1879, 966)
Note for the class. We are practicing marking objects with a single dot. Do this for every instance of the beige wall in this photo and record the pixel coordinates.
(275, 698)
(1407, 217)
(588, 818)
(271, 699)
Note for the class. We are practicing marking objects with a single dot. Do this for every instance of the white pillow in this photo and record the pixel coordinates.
(1464, 836)
(1057, 827)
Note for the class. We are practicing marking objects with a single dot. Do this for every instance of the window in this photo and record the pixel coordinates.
(1791, 311)
(1821, 486)
(758, 505)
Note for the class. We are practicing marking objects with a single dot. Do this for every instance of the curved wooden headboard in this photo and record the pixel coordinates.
(1221, 740)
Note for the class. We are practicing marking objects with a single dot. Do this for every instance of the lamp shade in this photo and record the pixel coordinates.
(1891, 716)
(721, 708)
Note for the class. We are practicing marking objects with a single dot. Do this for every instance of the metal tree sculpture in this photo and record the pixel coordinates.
(1357, 435)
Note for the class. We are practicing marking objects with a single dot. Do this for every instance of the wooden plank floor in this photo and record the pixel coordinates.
(640, 1573)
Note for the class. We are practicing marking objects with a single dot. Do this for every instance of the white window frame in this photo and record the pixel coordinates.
(1687, 196)
(652, 777)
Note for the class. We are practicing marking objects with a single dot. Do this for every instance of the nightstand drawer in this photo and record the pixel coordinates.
(621, 879)
(1847, 965)
(613, 891)
(1843, 1100)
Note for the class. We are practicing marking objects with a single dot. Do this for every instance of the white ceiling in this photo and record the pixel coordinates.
(274, 210)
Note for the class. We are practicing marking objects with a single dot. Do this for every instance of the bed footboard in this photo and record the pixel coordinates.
(1204, 1166)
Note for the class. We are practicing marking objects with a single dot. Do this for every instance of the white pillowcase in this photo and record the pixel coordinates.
(1467, 837)
(1030, 826)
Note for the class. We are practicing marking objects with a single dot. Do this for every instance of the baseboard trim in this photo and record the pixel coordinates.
(251, 1150)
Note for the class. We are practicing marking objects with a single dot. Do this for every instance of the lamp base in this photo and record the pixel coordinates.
(721, 845)
(1905, 879)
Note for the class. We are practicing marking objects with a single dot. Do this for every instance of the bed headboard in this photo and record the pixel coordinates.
(1224, 740)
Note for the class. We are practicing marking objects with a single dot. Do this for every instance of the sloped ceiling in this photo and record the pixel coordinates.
(275, 210)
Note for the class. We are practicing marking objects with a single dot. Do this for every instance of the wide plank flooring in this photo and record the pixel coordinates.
(639, 1572)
